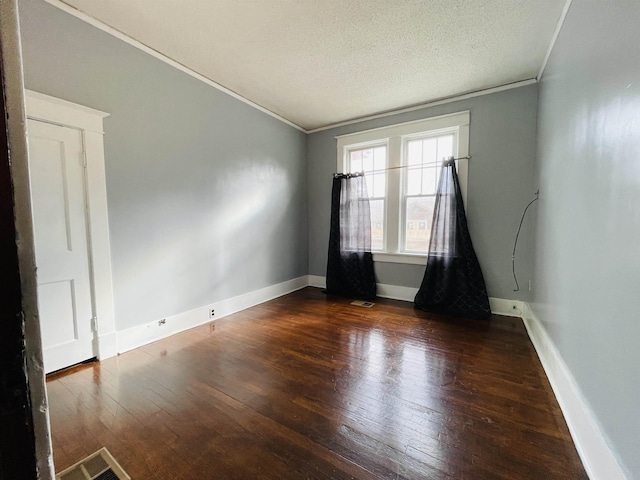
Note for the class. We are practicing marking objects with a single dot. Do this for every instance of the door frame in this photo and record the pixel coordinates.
(89, 122)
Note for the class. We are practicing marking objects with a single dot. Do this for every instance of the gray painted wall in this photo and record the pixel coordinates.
(207, 196)
(587, 274)
(502, 143)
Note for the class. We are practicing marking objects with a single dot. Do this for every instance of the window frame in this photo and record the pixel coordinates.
(395, 137)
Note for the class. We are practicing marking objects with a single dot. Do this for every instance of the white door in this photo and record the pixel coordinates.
(56, 168)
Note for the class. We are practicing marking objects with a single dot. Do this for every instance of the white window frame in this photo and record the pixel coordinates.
(395, 137)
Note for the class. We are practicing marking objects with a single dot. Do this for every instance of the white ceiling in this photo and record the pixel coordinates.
(319, 62)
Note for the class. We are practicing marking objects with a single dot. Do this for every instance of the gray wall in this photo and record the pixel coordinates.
(207, 196)
(587, 246)
(502, 143)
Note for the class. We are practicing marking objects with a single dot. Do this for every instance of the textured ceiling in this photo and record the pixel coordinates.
(319, 62)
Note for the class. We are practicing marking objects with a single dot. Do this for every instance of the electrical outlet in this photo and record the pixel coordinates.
(212, 312)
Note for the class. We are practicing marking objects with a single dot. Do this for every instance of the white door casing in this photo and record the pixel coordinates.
(87, 124)
(56, 171)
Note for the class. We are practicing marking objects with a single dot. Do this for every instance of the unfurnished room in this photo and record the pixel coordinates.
(320, 239)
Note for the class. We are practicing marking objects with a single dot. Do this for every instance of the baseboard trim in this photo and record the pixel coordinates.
(107, 345)
(598, 458)
(393, 292)
(317, 281)
(157, 330)
(499, 306)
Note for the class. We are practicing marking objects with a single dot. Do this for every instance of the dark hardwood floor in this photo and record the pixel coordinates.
(308, 386)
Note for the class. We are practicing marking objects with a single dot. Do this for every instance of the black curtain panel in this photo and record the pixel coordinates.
(453, 283)
(350, 262)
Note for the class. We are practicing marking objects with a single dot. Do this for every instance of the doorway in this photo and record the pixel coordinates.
(73, 260)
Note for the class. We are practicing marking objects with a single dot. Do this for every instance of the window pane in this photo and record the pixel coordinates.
(379, 158)
(414, 152)
(445, 147)
(355, 161)
(430, 150)
(429, 184)
(419, 213)
(377, 224)
(379, 186)
(367, 159)
(414, 181)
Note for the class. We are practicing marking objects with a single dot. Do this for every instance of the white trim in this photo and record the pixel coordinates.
(168, 60)
(437, 122)
(55, 110)
(395, 292)
(89, 121)
(108, 345)
(150, 332)
(598, 458)
(554, 38)
(405, 258)
(455, 98)
(317, 281)
(499, 306)
(510, 308)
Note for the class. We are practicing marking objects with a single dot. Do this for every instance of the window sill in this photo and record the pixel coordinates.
(407, 258)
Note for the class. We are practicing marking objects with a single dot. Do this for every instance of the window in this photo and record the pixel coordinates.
(372, 160)
(402, 167)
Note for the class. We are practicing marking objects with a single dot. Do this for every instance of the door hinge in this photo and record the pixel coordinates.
(94, 324)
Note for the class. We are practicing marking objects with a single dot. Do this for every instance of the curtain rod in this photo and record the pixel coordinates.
(357, 174)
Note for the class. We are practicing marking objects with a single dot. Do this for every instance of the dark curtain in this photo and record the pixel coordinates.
(350, 262)
(453, 283)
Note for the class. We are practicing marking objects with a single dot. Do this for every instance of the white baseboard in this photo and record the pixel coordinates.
(499, 306)
(107, 345)
(317, 281)
(598, 458)
(394, 292)
(385, 291)
(150, 332)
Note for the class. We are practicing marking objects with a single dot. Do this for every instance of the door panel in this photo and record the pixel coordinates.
(56, 167)
(56, 300)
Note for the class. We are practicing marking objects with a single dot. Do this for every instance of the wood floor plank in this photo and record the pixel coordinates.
(309, 386)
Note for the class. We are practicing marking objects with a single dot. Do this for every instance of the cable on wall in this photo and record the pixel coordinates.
(515, 243)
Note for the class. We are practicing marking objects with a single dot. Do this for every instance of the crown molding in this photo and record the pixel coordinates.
(554, 38)
(455, 98)
(164, 58)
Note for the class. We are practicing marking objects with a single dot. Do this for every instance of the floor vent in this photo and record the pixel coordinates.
(362, 303)
(98, 466)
